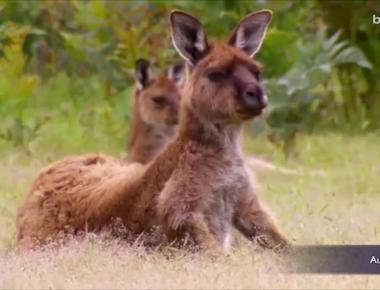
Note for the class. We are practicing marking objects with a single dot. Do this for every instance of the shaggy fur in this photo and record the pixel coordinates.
(155, 106)
(198, 187)
(66, 193)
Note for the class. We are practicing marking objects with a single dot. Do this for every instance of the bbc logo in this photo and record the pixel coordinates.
(376, 19)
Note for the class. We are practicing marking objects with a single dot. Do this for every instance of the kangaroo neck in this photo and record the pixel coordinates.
(218, 134)
(194, 132)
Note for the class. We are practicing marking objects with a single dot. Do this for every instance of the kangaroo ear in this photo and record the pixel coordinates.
(250, 32)
(188, 36)
(176, 73)
(143, 73)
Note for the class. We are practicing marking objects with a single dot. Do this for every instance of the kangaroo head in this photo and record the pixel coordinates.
(157, 97)
(224, 81)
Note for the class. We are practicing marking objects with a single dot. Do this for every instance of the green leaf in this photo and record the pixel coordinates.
(330, 43)
(353, 55)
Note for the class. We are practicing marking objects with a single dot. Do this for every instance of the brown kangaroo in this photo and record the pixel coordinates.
(198, 187)
(155, 106)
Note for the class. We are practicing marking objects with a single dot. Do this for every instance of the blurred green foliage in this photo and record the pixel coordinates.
(321, 58)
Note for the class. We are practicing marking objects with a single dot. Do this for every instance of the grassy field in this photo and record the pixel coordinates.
(331, 196)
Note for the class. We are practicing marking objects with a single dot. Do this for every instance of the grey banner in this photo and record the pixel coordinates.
(357, 259)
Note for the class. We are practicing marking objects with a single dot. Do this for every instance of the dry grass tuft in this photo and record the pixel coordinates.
(95, 263)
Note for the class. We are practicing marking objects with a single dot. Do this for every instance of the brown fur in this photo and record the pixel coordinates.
(152, 125)
(64, 194)
(195, 190)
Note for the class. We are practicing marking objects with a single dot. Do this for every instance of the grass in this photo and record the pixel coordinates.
(339, 206)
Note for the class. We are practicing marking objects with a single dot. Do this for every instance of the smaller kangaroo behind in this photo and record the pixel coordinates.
(155, 106)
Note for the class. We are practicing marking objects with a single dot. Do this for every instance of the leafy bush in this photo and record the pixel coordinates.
(314, 90)
(16, 88)
(69, 54)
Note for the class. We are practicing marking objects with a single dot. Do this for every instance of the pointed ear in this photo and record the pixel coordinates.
(176, 73)
(250, 32)
(143, 73)
(188, 36)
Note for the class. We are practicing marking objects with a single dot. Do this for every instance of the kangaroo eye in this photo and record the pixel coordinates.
(217, 76)
(159, 100)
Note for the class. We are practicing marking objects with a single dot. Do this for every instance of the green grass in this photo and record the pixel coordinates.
(339, 205)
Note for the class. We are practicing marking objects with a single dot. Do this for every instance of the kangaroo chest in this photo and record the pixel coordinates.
(230, 183)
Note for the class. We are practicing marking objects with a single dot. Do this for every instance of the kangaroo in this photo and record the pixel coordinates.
(155, 107)
(198, 187)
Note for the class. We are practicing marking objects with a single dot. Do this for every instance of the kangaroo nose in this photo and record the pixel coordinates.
(254, 97)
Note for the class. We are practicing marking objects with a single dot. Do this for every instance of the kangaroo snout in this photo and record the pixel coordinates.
(254, 97)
